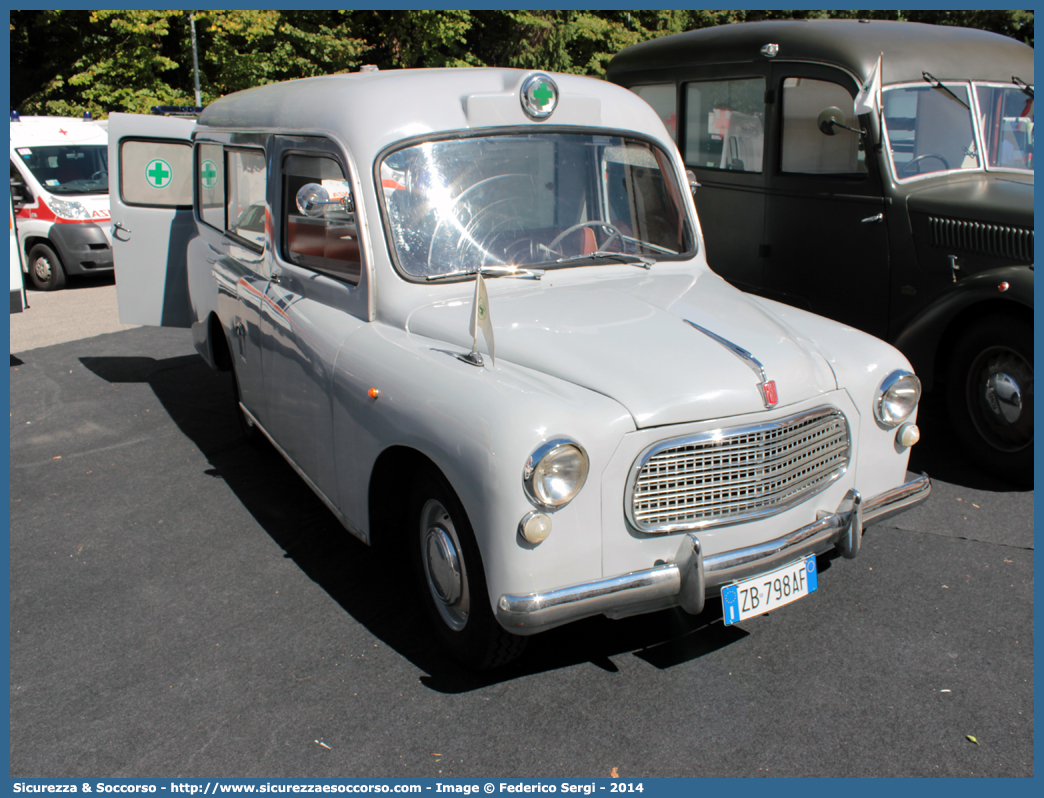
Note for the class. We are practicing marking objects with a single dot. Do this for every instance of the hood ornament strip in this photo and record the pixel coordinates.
(766, 386)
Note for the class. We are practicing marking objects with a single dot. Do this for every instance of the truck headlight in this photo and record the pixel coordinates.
(554, 473)
(897, 398)
(68, 209)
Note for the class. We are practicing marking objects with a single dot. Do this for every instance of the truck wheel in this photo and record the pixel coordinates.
(45, 269)
(448, 567)
(990, 396)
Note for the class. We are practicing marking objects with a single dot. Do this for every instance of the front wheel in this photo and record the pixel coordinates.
(45, 269)
(448, 567)
(990, 396)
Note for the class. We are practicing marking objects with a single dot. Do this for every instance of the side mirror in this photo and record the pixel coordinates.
(828, 118)
(19, 193)
(313, 200)
(831, 118)
(693, 182)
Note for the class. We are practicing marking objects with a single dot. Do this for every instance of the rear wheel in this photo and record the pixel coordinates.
(45, 269)
(448, 567)
(990, 396)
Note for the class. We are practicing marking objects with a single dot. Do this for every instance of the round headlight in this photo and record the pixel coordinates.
(897, 398)
(555, 473)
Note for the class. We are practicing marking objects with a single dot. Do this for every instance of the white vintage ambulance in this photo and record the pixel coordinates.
(472, 309)
(60, 189)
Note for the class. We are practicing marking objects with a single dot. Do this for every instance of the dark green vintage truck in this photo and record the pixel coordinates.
(878, 173)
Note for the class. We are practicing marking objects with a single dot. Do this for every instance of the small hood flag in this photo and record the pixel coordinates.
(868, 99)
(480, 318)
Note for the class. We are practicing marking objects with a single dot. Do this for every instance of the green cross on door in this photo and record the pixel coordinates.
(209, 174)
(158, 173)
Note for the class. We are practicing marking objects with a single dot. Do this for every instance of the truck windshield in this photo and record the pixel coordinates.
(958, 126)
(519, 200)
(69, 169)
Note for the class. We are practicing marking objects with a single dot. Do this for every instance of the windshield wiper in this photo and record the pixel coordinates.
(489, 271)
(1026, 88)
(935, 84)
(623, 257)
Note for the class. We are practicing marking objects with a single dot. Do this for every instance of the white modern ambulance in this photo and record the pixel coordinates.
(60, 189)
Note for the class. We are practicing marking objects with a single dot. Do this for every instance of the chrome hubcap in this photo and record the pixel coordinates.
(444, 565)
(1000, 398)
(42, 267)
(1004, 398)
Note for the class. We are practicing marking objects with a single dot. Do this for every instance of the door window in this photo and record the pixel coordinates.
(725, 124)
(245, 182)
(328, 243)
(805, 147)
(211, 176)
(663, 97)
(156, 174)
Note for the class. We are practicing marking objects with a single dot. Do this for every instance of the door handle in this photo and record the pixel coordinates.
(117, 227)
(871, 219)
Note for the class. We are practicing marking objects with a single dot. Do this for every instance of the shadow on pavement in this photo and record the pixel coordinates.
(941, 457)
(371, 584)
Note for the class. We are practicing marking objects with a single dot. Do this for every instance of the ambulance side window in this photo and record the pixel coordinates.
(210, 172)
(156, 174)
(246, 177)
(328, 243)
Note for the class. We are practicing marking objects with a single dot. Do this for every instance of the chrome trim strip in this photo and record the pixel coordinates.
(315, 489)
(690, 577)
(737, 350)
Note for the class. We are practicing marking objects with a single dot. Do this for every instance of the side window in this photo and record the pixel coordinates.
(156, 173)
(328, 243)
(211, 176)
(725, 124)
(807, 149)
(245, 180)
(663, 97)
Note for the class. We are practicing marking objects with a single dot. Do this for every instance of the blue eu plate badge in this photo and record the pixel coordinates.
(766, 592)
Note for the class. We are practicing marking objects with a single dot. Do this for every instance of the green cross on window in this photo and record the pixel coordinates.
(543, 95)
(157, 173)
(209, 173)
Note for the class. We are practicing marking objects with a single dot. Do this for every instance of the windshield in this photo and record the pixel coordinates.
(69, 169)
(1006, 114)
(931, 127)
(521, 200)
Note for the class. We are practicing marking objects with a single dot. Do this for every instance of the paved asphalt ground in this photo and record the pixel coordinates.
(183, 606)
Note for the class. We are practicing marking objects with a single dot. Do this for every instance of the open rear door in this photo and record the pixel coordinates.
(150, 193)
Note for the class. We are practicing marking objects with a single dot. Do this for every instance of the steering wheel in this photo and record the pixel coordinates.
(99, 175)
(613, 233)
(909, 164)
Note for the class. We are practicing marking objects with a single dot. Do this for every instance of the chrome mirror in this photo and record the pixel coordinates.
(831, 118)
(313, 200)
(694, 184)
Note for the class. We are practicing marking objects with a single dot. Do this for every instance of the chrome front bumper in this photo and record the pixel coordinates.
(691, 576)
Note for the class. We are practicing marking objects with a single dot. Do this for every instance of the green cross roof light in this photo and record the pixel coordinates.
(539, 96)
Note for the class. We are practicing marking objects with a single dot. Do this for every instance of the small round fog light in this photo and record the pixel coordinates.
(908, 435)
(534, 527)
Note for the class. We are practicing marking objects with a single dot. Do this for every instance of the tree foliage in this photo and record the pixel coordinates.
(65, 62)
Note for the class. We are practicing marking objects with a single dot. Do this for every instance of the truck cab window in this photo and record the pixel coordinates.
(805, 148)
(725, 124)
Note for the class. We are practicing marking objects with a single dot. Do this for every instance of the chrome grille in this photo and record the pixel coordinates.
(739, 474)
(985, 239)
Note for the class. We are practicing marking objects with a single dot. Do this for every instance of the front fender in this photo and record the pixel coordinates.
(921, 338)
(478, 425)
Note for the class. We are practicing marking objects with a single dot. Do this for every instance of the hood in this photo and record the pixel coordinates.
(990, 198)
(628, 339)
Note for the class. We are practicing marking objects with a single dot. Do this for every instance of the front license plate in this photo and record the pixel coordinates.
(767, 592)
